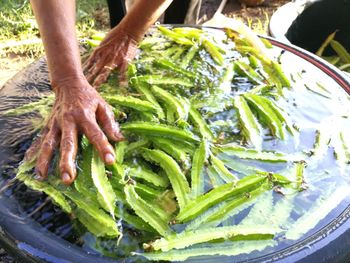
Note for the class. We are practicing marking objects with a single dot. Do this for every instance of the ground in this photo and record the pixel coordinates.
(20, 45)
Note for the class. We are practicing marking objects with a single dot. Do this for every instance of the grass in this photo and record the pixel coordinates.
(19, 32)
(20, 42)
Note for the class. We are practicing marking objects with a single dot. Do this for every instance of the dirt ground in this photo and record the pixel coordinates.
(256, 17)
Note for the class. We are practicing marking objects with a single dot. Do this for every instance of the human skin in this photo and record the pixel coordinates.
(78, 107)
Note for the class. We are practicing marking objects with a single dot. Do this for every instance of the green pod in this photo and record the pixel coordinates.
(92, 208)
(214, 52)
(275, 71)
(146, 192)
(155, 129)
(178, 54)
(214, 177)
(219, 194)
(177, 178)
(149, 42)
(131, 102)
(249, 125)
(93, 43)
(56, 196)
(226, 80)
(189, 238)
(177, 38)
(282, 116)
(341, 151)
(252, 154)
(145, 90)
(189, 32)
(325, 44)
(42, 106)
(165, 80)
(199, 122)
(253, 62)
(134, 146)
(172, 149)
(103, 186)
(146, 174)
(133, 220)
(212, 249)
(83, 183)
(98, 36)
(222, 171)
(145, 211)
(191, 53)
(267, 114)
(96, 228)
(172, 102)
(119, 150)
(237, 165)
(197, 176)
(246, 70)
(232, 207)
(171, 51)
(167, 64)
(341, 51)
(299, 168)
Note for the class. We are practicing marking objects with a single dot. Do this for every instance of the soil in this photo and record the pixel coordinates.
(257, 17)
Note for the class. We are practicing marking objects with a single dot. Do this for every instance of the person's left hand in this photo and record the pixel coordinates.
(115, 51)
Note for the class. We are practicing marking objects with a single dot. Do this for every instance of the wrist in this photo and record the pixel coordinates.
(68, 81)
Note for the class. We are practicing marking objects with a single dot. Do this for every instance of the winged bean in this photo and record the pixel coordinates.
(177, 178)
(155, 129)
(218, 194)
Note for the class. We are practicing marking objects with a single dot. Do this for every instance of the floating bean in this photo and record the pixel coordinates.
(219, 194)
(131, 102)
(145, 211)
(189, 238)
(197, 177)
(177, 178)
(250, 127)
(155, 129)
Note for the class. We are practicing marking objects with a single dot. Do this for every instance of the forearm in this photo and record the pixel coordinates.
(142, 15)
(56, 20)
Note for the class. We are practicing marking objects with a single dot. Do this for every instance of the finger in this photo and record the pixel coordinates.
(94, 71)
(33, 150)
(68, 152)
(99, 140)
(122, 72)
(46, 151)
(105, 117)
(90, 62)
(102, 76)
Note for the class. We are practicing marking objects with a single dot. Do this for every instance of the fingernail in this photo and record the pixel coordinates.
(37, 175)
(66, 177)
(109, 158)
(119, 136)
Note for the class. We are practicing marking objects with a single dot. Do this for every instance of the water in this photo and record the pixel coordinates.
(306, 108)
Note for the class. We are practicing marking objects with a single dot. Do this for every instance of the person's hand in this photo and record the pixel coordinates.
(115, 51)
(78, 109)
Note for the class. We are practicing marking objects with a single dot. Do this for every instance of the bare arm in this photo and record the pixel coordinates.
(78, 107)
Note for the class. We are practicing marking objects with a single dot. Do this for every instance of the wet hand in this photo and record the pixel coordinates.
(78, 109)
(115, 51)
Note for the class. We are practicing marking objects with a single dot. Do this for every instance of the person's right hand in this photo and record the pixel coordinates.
(78, 109)
(115, 52)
